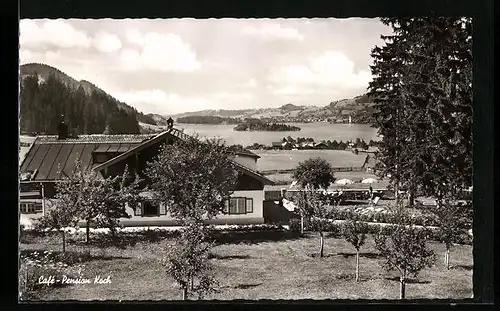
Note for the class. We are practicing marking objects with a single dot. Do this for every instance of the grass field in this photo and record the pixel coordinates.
(288, 159)
(259, 269)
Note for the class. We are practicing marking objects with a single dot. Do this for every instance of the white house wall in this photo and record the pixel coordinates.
(256, 217)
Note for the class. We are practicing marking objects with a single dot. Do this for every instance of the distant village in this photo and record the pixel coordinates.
(302, 143)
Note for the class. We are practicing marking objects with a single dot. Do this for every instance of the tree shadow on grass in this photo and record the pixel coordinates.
(69, 257)
(253, 237)
(462, 267)
(409, 280)
(369, 255)
(124, 240)
(246, 286)
(222, 257)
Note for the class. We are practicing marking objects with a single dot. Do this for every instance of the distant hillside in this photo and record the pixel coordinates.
(159, 120)
(359, 108)
(146, 128)
(207, 120)
(218, 113)
(290, 107)
(46, 93)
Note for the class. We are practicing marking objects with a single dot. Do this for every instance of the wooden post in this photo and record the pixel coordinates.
(136, 162)
(301, 223)
(43, 198)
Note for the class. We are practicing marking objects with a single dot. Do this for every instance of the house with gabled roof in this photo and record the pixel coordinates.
(51, 158)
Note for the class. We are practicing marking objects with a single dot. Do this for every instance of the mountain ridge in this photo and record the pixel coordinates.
(359, 108)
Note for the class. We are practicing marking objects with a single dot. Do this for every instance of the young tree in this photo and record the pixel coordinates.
(315, 173)
(313, 208)
(454, 221)
(354, 231)
(64, 213)
(87, 196)
(405, 248)
(187, 261)
(194, 180)
(121, 190)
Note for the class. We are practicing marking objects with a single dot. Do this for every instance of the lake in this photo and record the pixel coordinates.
(317, 130)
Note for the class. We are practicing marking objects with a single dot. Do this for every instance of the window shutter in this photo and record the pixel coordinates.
(163, 210)
(138, 209)
(38, 208)
(226, 207)
(249, 206)
(233, 208)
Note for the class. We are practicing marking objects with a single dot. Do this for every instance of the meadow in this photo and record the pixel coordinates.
(288, 159)
(275, 267)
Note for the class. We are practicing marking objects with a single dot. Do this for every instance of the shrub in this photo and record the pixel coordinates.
(34, 265)
(294, 225)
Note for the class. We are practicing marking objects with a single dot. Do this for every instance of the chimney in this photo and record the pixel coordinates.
(170, 123)
(62, 130)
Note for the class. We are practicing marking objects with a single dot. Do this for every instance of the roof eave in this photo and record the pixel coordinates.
(128, 153)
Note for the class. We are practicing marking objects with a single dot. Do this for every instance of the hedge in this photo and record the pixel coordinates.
(335, 229)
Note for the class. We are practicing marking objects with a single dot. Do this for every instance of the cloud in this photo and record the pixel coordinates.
(232, 96)
(107, 43)
(251, 83)
(159, 52)
(53, 32)
(291, 90)
(328, 69)
(134, 36)
(158, 101)
(273, 31)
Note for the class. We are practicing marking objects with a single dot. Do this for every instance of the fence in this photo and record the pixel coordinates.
(335, 169)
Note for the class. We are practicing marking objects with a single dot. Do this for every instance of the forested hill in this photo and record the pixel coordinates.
(360, 109)
(46, 93)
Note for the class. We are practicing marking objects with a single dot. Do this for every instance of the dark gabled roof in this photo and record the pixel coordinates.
(50, 159)
(255, 174)
(133, 150)
(183, 136)
(244, 152)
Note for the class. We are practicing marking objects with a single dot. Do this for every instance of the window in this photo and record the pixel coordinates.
(138, 210)
(150, 209)
(31, 208)
(238, 205)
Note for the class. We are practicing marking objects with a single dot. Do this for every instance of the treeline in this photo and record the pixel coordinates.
(207, 120)
(252, 124)
(43, 102)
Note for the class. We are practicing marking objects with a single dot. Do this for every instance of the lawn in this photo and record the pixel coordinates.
(281, 268)
(289, 159)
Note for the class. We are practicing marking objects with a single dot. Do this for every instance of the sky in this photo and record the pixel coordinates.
(169, 66)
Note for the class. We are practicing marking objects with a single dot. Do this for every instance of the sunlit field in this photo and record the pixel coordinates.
(272, 267)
